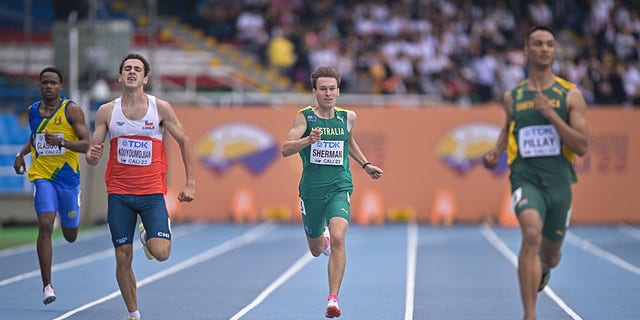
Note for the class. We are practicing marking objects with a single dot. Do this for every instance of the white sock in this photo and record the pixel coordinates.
(135, 314)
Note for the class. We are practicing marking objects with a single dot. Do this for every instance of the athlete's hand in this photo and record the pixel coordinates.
(490, 160)
(94, 153)
(315, 135)
(51, 139)
(542, 105)
(19, 165)
(187, 194)
(373, 171)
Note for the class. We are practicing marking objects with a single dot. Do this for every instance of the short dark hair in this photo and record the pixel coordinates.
(538, 28)
(326, 72)
(51, 69)
(147, 67)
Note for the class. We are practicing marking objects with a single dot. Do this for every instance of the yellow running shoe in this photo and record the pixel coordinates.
(143, 240)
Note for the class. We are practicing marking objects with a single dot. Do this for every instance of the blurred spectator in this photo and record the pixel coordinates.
(218, 18)
(540, 13)
(631, 82)
(608, 88)
(281, 51)
(251, 29)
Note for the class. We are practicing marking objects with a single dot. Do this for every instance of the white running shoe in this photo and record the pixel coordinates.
(143, 240)
(327, 242)
(48, 295)
(333, 310)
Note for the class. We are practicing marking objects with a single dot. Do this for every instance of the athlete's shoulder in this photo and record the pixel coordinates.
(305, 109)
(564, 83)
(516, 93)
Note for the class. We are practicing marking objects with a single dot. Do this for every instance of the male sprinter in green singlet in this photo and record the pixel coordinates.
(323, 135)
(545, 127)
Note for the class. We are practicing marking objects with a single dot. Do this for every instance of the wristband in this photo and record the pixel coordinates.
(365, 165)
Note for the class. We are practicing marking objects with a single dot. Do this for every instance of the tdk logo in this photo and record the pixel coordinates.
(135, 144)
(328, 144)
(120, 123)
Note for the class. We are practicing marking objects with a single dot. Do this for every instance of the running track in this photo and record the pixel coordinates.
(395, 272)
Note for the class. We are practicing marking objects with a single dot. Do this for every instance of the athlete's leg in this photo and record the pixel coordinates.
(122, 223)
(550, 254)
(45, 201)
(155, 218)
(316, 245)
(338, 258)
(69, 212)
(125, 277)
(529, 270)
(43, 245)
(313, 222)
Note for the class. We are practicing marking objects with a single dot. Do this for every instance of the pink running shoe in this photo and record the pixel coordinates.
(333, 310)
(327, 242)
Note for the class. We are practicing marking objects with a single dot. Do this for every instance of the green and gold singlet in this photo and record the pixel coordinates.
(535, 151)
(326, 162)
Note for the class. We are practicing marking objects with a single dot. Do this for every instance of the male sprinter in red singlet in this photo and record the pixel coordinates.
(136, 171)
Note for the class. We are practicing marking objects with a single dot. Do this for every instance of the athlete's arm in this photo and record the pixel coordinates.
(75, 115)
(103, 116)
(295, 142)
(490, 159)
(18, 164)
(355, 152)
(171, 123)
(574, 132)
(575, 135)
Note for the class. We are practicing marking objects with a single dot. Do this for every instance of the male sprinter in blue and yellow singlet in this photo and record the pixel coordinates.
(323, 136)
(545, 126)
(58, 133)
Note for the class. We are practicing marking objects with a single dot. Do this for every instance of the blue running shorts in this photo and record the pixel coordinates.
(122, 215)
(50, 198)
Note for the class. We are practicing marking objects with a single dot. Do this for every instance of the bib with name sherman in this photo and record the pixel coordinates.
(326, 163)
(535, 151)
(137, 161)
(59, 165)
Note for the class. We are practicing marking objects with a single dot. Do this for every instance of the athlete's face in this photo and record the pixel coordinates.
(50, 86)
(132, 74)
(326, 92)
(541, 48)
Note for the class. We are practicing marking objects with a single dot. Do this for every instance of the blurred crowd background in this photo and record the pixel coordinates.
(465, 51)
(461, 51)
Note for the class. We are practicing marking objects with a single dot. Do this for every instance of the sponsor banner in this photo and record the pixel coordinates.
(421, 151)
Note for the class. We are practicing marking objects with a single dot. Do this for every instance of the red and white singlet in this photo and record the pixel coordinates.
(137, 157)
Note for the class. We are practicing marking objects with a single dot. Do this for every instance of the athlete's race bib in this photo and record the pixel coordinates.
(327, 152)
(45, 149)
(134, 152)
(538, 141)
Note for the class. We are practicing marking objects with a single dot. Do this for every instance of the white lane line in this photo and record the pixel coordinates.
(60, 266)
(243, 240)
(601, 253)
(72, 263)
(412, 253)
(630, 231)
(299, 264)
(84, 236)
(497, 243)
